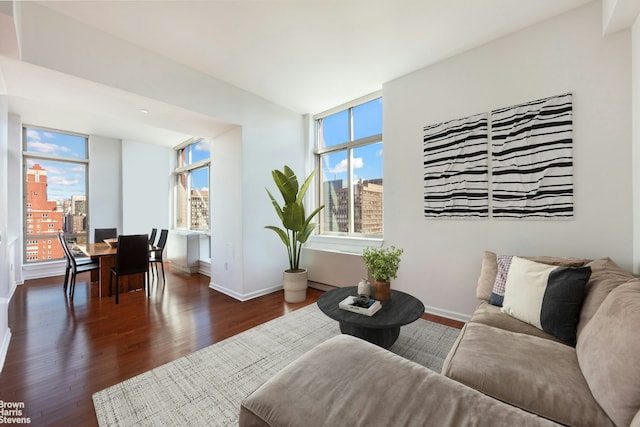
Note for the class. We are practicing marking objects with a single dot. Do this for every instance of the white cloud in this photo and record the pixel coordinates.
(42, 147)
(356, 163)
(202, 145)
(60, 180)
(33, 134)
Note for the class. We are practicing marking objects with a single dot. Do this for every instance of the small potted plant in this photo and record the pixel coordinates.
(382, 265)
(297, 227)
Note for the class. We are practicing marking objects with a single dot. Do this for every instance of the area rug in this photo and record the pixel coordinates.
(206, 387)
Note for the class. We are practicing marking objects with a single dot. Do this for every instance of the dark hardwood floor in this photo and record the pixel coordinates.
(63, 351)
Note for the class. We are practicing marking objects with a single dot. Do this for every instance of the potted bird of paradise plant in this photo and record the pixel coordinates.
(296, 229)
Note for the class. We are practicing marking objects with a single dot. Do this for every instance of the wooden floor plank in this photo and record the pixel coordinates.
(63, 351)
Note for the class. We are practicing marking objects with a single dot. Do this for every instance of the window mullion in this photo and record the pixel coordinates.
(351, 212)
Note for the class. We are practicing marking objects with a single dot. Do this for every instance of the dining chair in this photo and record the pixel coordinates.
(132, 257)
(74, 266)
(156, 253)
(100, 234)
(152, 236)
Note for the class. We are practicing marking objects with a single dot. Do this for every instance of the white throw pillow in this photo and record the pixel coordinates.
(546, 296)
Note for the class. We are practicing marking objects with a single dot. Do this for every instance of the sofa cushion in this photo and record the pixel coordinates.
(488, 272)
(546, 296)
(539, 375)
(491, 315)
(608, 352)
(346, 381)
(606, 275)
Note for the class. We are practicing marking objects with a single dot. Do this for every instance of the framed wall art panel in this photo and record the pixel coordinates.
(532, 160)
(455, 161)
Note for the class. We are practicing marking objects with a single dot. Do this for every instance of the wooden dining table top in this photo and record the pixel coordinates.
(102, 249)
(97, 249)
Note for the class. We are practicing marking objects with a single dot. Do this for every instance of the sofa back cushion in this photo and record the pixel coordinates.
(606, 275)
(488, 273)
(608, 350)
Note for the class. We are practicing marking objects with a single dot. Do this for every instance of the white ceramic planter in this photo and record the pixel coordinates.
(295, 285)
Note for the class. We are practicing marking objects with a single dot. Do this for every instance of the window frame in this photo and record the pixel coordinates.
(349, 239)
(28, 257)
(188, 169)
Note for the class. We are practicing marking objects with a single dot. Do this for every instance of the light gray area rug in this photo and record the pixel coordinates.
(206, 387)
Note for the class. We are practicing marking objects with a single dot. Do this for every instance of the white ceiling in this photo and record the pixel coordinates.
(306, 55)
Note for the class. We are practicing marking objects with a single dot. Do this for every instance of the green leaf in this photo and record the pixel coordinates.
(287, 183)
(304, 187)
(304, 234)
(276, 205)
(283, 235)
(293, 216)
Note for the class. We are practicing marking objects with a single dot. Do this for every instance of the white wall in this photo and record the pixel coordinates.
(146, 187)
(5, 254)
(565, 54)
(15, 196)
(226, 200)
(105, 183)
(635, 73)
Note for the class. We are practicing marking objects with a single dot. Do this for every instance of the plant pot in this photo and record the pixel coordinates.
(295, 285)
(382, 290)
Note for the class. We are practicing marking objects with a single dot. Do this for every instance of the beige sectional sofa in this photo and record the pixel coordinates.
(500, 372)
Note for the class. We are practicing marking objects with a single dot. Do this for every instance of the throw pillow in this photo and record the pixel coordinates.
(545, 296)
(497, 294)
(608, 350)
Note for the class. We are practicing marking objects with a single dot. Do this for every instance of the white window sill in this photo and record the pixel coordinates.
(342, 244)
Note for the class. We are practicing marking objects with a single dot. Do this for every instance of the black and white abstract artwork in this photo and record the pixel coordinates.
(532, 160)
(455, 157)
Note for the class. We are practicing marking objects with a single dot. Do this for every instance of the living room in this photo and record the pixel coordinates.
(571, 52)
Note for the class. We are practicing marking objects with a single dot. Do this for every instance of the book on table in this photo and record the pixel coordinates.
(371, 308)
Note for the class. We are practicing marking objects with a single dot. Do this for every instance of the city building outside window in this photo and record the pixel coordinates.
(55, 191)
(349, 169)
(192, 185)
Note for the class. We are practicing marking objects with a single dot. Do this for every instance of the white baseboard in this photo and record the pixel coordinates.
(453, 315)
(244, 297)
(205, 268)
(43, 269)
(4, 347)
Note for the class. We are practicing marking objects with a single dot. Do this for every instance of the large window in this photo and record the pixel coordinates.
(55, 191)
(192, 185)
(349, 159)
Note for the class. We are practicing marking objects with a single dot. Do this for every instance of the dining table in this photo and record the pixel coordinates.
(106, 256)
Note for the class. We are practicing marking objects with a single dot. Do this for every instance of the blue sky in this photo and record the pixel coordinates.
(367, 160)
(200, 178)
(63, 179)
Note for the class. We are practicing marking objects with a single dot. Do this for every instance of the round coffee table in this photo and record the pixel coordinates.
(383, 328)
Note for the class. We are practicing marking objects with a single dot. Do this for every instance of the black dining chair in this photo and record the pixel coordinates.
(156, 253)
(152, 236)
(100, 234)
(132, 257)
(74, 266)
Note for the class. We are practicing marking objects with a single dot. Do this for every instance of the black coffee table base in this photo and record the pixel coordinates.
(382, 337)
(383, 328)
